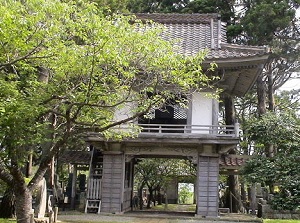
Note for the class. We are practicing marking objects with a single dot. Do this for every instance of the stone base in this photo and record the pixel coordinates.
(213, 217)
(266, 212)
(41, 220)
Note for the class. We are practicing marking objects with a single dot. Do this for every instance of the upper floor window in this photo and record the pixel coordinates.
(172, 113)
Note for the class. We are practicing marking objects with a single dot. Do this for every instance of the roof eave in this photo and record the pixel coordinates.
(237, 62)
(248, 68)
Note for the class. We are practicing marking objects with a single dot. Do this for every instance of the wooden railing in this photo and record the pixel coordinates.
(179, 129)
(213, 130)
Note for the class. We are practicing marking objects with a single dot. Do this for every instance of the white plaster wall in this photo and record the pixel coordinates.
(124, 111)
(202, 110)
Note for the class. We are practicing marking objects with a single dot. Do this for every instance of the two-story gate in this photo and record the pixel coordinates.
(192, 132)
(203, 149)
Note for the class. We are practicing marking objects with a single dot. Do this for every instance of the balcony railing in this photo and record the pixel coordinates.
(212, 130)
(179, 130)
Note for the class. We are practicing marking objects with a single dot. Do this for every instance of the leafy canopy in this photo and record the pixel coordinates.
(66, 69)
(282, 169)
(266, 17)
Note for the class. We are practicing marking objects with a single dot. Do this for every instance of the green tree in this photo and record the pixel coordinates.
(184, 193)
(282, 169)
(65, 70)
(153, 173)
(156, 173)
(264, 18)
(268, 23)
(164, 6)
(112, 6)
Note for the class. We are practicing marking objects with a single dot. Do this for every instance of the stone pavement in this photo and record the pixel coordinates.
(138, 217)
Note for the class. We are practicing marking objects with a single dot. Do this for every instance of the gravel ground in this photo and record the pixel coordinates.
(151, 218)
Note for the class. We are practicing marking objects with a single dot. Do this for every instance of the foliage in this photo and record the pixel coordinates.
(280, 221)
(67, 69)
(5, 220)
(157, 173)
(272, 128)
(224, 8)
(110, 7)
(182, 6)
(263, 18)
(151, 6)
(272, 23)
(89, 70)
(2, 187)
(282, 169)
(288, 102)
(185, 194)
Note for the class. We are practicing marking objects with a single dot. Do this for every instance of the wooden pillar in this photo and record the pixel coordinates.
(113, 182)
(215, 112)
(73, 192)
(207, 186)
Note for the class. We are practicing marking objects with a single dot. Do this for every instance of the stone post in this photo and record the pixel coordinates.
(253, 204)
(73, 192)
(41, 199)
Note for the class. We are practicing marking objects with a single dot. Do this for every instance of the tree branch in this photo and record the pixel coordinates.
(5, 175)
(46, 160)
(27, 56)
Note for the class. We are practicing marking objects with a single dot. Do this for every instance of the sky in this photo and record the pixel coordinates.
(293, 84)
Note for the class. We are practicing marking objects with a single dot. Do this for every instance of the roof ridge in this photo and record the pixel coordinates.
(178, 18)
(264, 49)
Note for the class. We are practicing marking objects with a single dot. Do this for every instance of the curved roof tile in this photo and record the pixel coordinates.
(196, 32)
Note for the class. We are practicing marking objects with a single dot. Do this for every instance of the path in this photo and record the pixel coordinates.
(151, 218)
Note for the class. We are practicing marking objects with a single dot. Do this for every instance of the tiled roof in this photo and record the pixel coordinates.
(230, 51)
(192, 33)
(196, 32)
(176, 18)
(75, 157)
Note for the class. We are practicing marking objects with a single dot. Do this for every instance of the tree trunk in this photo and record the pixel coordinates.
(29, 165)
(261, 95)
(243, 193)
(271, 100)
(150, 197)
(159, 197)
(140, 194)
(270, 148)
(166, 200)
(234, 192)
(232, 180)
(23, 204)
(229, 110)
